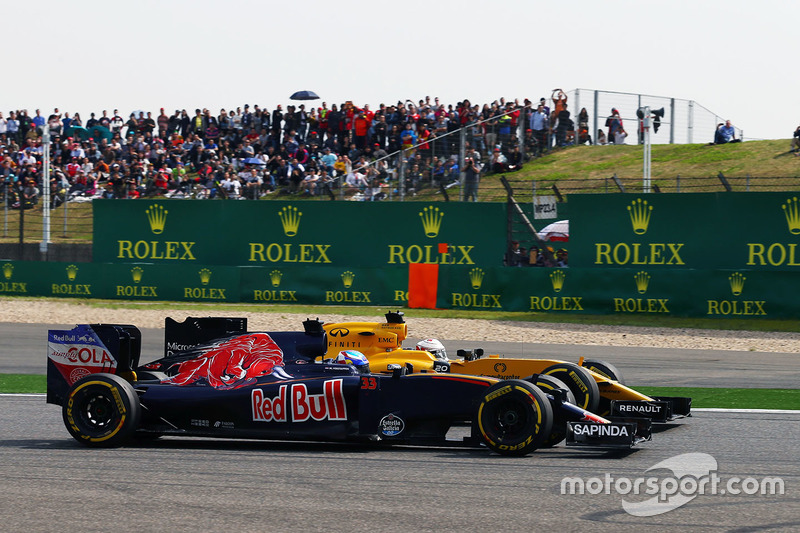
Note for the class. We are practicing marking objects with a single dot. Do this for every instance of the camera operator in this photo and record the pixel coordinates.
(472, 176)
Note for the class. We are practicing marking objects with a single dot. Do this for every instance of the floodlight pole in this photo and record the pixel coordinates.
(45, 188)
(646, 164)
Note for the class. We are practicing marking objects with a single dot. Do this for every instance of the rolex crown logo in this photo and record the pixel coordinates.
(275, 278)
(431, 220)
(347, 279)
(792, 212)
(737, 283)
(72, 272)
(642, 281)
(639, 212)
(476, 277)
(137, 272)
(290, 220)
(157, 217)
(205, 276)
(557, 278)
(8, 270)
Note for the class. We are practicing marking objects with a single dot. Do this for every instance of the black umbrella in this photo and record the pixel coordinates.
(304, 95)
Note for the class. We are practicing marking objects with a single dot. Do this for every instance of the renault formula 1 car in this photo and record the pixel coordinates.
(596, 386)
(218, 380)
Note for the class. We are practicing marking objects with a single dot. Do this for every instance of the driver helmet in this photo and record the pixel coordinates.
(355, 358)
(433, 346)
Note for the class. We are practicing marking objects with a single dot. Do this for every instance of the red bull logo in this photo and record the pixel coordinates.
(233, 363)
(328, 405)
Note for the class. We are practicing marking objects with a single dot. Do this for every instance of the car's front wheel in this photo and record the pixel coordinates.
(514, 417)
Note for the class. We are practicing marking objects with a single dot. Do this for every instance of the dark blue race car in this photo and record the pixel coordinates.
(216, 379)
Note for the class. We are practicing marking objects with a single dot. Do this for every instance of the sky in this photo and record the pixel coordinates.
(732, 57)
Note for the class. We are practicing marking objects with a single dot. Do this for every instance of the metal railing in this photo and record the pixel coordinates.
(24, 221)
(684, 121)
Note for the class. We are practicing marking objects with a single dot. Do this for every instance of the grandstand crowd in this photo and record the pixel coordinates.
(249, 152)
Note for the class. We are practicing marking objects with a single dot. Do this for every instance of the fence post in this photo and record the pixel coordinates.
(596, 111)
(401, 175)
(724, 182)
(671, 121)
(21, 219)
(66, 198)
(462, 148)
(5, 207)
(690, 118)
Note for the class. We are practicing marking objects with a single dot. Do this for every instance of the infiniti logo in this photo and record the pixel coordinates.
(339, 332)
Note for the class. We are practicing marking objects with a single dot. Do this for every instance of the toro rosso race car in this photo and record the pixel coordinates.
(594, 385)
(218, 380)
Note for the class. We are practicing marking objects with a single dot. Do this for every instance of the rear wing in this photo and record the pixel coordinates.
(89, 349)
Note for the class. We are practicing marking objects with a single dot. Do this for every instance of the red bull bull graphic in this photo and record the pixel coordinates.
(232, 363)
(78, 352)
(329, 405)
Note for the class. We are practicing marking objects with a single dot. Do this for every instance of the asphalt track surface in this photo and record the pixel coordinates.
(50, 482)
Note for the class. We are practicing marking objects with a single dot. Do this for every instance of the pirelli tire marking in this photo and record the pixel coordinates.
(101, 410)
(514, 418)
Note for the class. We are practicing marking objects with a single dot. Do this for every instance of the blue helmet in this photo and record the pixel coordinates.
(355, 358)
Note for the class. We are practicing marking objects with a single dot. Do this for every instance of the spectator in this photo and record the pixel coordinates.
(12, 127)
(535, 259)
(583, 127)
(613, 123)
(725, 134)
(539, 125)
(619, 136)
(515, 256)
(498, 161)
(795, 147)
(514, 159)
(472, 176)
(601, 137)
(564, 125)
(559, 99)
(562, 259)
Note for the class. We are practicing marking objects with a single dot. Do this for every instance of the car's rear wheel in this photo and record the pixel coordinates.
(579, 381)
(514, 417)
(604, 368)
(102, 410)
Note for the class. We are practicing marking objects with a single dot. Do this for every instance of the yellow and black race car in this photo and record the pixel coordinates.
(596, 386)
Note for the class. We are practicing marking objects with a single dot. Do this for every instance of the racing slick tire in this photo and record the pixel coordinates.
(559, 430)
(604, 368)
(514, 417)
(102, 410)
(579, 381)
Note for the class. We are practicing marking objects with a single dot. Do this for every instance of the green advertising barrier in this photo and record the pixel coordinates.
(341, 234)
(197, 283)
(325, 285)
(685, 292)
(129, 282)
(695, 293)
(34, 278)
(679, 231)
